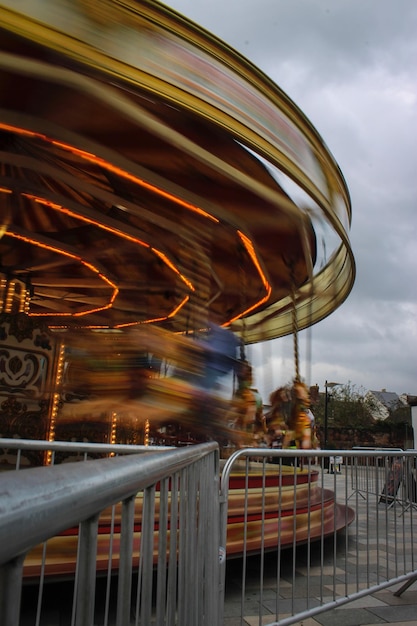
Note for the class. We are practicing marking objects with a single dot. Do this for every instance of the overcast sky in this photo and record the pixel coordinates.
(351, 66)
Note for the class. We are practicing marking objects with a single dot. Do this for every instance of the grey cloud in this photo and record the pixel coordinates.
(351, 66)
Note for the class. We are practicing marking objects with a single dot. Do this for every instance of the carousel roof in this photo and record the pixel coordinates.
(147, 175)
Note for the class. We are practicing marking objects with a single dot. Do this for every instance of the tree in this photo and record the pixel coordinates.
(346, 407)
(400, 415)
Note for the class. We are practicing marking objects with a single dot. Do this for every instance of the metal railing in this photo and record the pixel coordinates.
(322, 539)
(167, 566)
(306, 538)
(386, 473)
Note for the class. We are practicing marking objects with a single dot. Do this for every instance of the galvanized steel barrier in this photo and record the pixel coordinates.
(371, 546)
(385, 475)
(174, 560)
(310, 541)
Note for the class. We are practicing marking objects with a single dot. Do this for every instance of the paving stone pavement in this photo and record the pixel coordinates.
(362, 562)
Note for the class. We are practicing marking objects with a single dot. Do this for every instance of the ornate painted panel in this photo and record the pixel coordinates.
(27, 378)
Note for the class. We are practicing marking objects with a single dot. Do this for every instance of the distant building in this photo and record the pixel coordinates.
(384, 402)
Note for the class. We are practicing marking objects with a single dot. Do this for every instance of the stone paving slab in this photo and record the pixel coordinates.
(367, 611)
(360, 563)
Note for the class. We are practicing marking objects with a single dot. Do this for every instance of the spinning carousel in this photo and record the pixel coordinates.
(163, 205)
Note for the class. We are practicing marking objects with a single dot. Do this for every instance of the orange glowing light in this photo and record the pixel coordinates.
(251, 251)
(155, 319)
(114, 231)
(99, 161)
(76, 258)
(92, 158)
(175, 311)
(164, 258)
(22, 131)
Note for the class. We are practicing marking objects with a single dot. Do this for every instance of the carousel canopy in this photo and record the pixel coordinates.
(150, 174)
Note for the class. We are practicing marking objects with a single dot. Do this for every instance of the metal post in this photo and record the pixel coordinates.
(11, 590)
(325, 416)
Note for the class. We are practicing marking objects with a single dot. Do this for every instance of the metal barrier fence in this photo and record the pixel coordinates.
(324, 537)
(390, 476)
(167, 567)
(307, 535)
